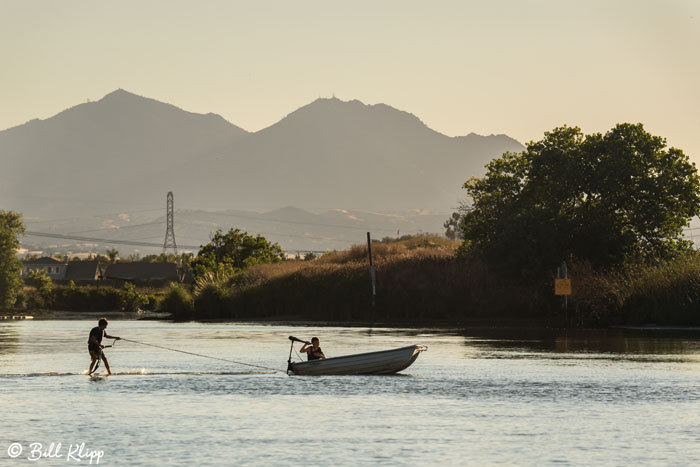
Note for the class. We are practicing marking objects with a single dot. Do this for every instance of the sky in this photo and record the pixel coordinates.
(500, 66)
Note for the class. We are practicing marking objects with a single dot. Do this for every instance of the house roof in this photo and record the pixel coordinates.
(142, 270)
(82, 270)
(43, 260)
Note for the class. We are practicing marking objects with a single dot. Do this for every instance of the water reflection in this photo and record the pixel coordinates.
(610, 341)
(9, 338)
(654, 341)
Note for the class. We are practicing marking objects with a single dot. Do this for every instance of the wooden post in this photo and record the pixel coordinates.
(371, 269)
(562, 273)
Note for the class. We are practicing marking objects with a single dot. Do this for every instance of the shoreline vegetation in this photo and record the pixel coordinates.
(420, 281)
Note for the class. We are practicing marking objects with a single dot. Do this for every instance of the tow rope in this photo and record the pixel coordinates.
(204, 356)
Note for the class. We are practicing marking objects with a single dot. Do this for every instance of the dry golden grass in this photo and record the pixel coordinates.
(417, 280)
(414, 247)
(355, 259)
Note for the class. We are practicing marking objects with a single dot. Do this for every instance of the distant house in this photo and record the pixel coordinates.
(55, 269)
(142, 272)
(83, 271)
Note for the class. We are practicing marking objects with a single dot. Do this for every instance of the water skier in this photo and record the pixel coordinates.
(95, 344)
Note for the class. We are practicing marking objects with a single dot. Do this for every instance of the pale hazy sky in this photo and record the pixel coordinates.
(512, 66)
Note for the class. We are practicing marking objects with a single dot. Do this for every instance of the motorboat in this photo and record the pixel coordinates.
(383, 362)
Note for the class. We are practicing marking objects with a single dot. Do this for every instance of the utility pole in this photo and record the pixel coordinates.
(562, 286)
(371, 269)
(170, 229)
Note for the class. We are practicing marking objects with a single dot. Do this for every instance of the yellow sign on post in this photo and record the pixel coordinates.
(562, 286)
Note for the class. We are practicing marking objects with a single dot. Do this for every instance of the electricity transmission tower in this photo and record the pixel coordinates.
(170, 231)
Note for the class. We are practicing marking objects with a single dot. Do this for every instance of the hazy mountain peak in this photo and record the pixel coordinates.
(355, 105)
(120, 94)
(120, 107)
(511, 144)
(123, 100)
(335, 115)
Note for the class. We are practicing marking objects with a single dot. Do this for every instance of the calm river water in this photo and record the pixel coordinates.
(474, 398)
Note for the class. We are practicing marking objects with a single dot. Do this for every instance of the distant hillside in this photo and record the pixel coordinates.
(127, 151)
(92, 150)
(335, 154)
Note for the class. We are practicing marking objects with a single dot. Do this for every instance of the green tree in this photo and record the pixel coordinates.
(453, 226)
(176, 301)
(608, 199)
(43, 297)
(112, 254)
(11, 228)
(130, 299)
(310, 256)
(38, 279)
(183, 259)
(228, 253)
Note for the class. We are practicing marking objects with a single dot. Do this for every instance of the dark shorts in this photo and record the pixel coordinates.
(94, 350)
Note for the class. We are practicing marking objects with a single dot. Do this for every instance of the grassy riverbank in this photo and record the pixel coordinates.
(664, 294)
(418, 281)
(421, 281)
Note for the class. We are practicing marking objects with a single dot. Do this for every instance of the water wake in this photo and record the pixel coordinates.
(136, 372)
(34, 375)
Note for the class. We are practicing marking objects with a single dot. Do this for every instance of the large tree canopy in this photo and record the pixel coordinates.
(10, 266)
(603, 198)
(229, 252)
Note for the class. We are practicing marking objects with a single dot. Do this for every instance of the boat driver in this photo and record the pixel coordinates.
(313, 350)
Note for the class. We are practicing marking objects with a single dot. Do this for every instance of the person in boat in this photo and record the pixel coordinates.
(313, 350)
(95, 344)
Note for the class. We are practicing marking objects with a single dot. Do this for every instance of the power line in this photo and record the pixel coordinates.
(147, 238)
(321, 224)
(99, 216)
(117, 228)
(69, 236)
(282, 221)
(101, 240)
(279, 234)
(134, 242)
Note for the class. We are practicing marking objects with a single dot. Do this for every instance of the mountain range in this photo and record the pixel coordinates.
(125, 152)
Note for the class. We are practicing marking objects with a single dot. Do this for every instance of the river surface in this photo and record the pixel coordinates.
(474, 398)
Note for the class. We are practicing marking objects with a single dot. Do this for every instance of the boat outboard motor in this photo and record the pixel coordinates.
(290, 365)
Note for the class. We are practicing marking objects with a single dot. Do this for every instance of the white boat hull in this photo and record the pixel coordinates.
(371, 363)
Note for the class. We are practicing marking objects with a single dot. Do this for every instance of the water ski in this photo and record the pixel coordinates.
(99, 358)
